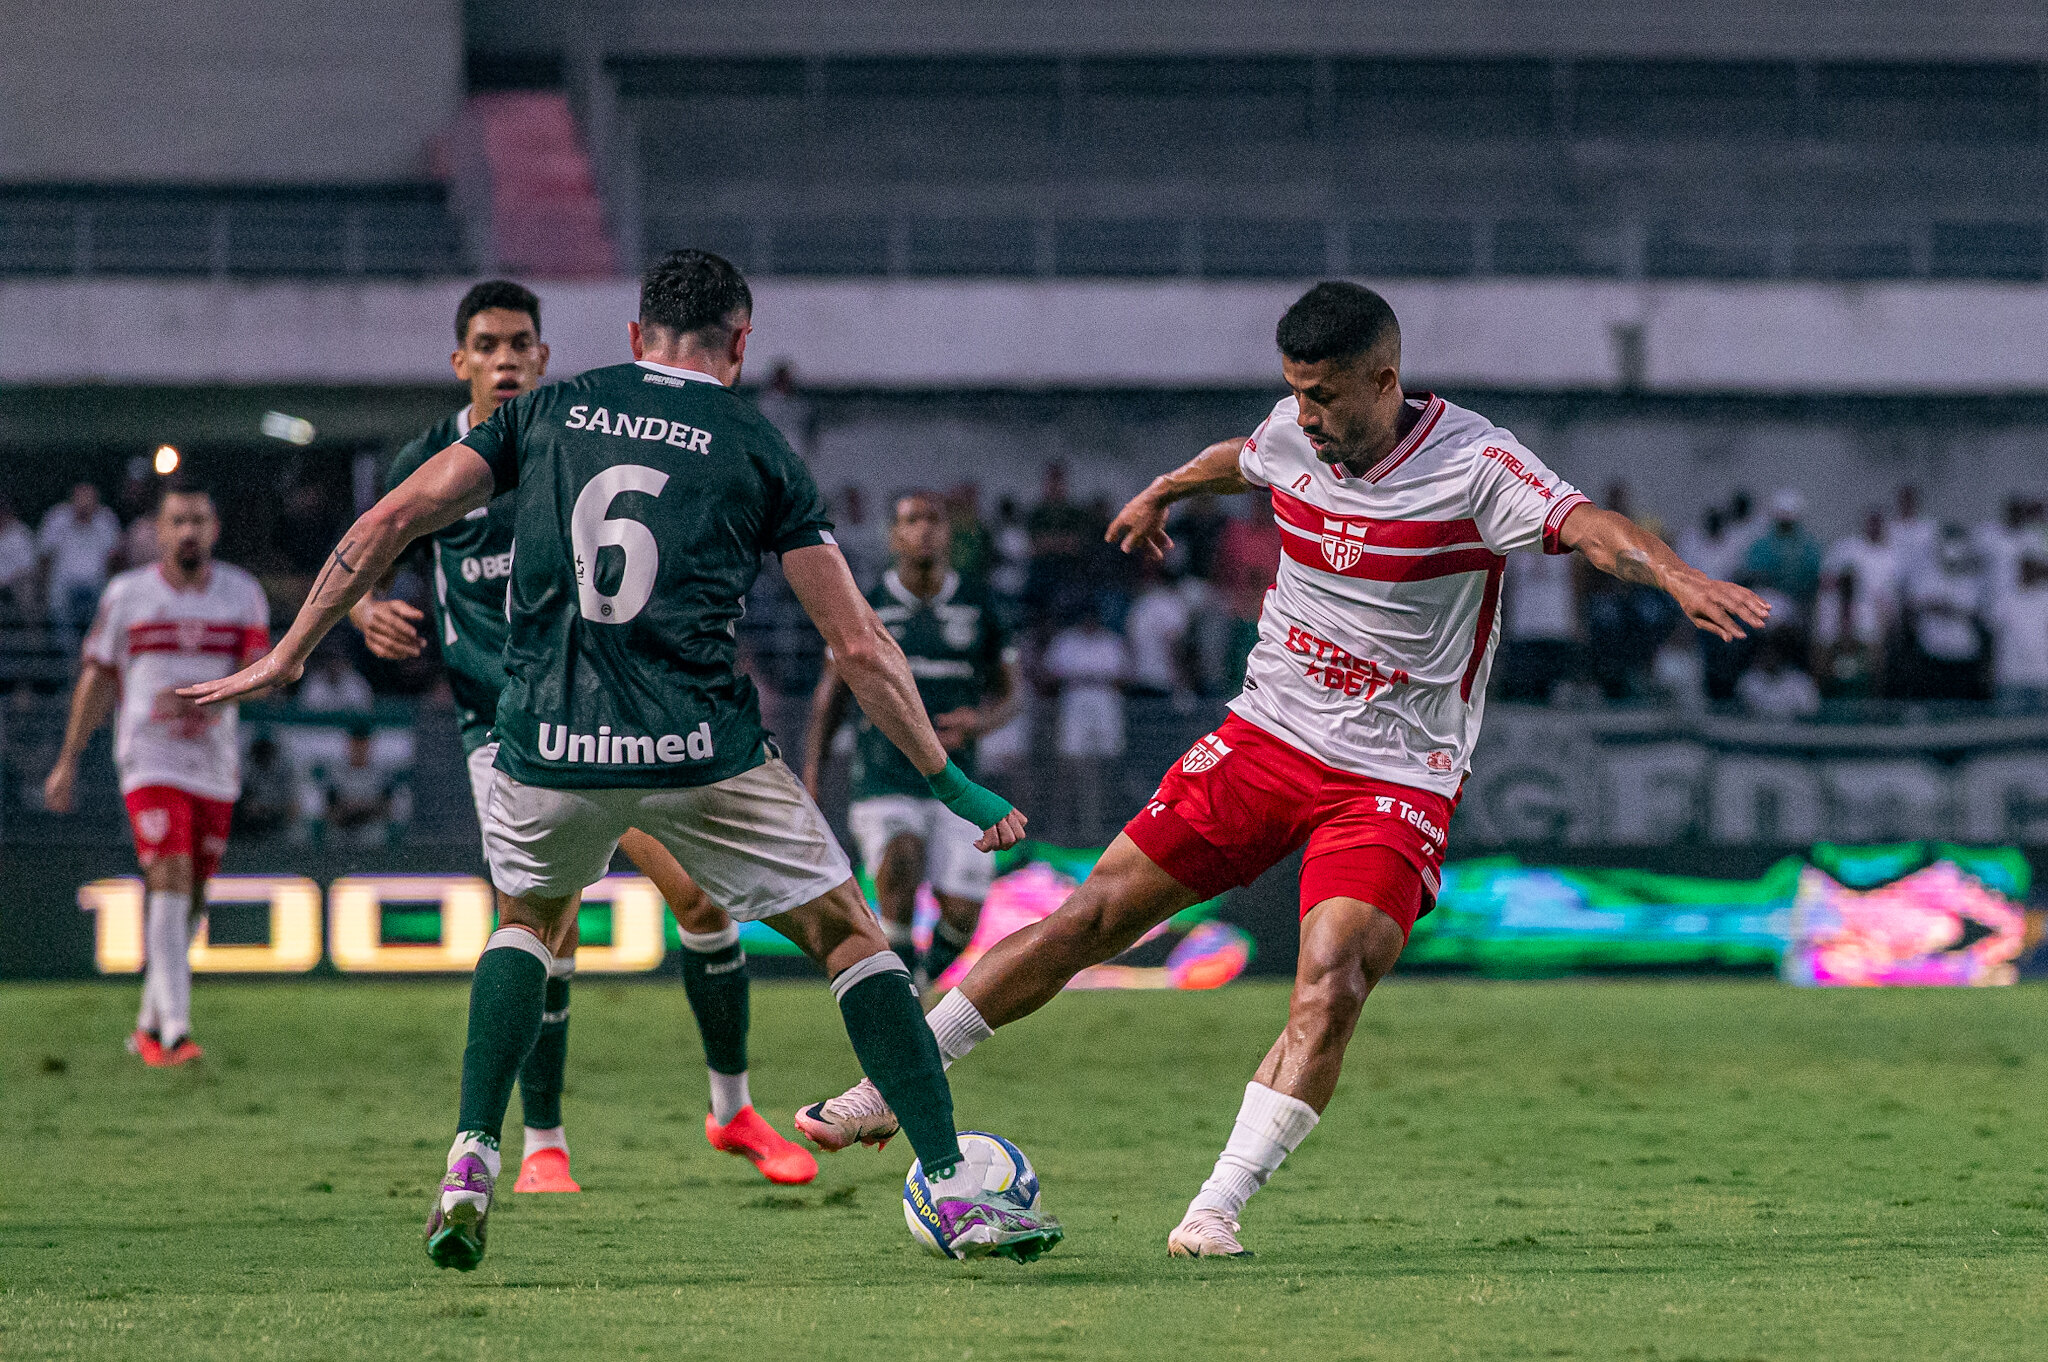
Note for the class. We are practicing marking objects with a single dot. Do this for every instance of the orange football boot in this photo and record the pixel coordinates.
(150, 1049)
(171, 1056)
(546, 1170)
(752, 1138)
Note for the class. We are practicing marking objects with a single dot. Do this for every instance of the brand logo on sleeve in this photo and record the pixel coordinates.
(606, 748)
(626, 427)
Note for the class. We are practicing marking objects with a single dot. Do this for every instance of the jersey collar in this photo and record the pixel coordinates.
(463, 425)
(694, 375)
(914, 601)
(1432, 408)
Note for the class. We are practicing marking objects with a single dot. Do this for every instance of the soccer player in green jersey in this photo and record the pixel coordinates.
(499, 354)
(966, 674)
(646, 494)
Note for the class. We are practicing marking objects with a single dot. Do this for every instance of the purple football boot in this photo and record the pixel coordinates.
(455, 1231)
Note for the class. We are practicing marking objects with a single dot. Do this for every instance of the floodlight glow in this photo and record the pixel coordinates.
(166, 460)
(294, 430)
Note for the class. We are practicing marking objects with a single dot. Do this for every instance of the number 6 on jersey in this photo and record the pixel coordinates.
(591, 528)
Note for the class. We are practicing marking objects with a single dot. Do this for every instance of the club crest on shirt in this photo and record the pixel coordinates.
(1438, 761)
(153, 824)
(1342, 545)
(1204, 755)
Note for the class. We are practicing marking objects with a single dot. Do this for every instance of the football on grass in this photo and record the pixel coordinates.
(992, 1162)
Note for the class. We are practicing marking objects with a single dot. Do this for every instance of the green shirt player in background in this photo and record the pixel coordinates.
(646, 494)
(966, 674)
(499, 354)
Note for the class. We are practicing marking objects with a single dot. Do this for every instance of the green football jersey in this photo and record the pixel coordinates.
(957, 648)
(471, 563)
(646, 496)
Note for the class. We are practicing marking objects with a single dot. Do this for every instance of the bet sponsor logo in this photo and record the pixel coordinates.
(653, 428)
(606, 748)
(1512, 461)
(488, 567)
(1337, 669)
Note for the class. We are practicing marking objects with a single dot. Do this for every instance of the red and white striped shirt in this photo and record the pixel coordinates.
(1376, 638)
(160, 638)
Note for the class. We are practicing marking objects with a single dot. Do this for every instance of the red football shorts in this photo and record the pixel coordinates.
(1241, 800)
(168, 821)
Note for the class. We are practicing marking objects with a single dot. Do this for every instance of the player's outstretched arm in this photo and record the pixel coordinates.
(1620, 547)
(828, 712)
(445, 488)
(878, 674)
(92, 700)
(1142, 521)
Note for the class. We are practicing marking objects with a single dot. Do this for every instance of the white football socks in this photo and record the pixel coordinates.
(167, 965)
(728, 1096)
(537, 1139)
(1270, 1126)
(957, 1026)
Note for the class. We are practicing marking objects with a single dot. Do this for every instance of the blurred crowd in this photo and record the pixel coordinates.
(1907, 609)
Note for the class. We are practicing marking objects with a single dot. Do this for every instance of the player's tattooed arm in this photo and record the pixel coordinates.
(1618, 546)
(444, 489)
(1142, 522)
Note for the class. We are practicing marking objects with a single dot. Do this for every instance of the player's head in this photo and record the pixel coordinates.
(1340, 348)
(187, 526)
(695, 310)
(498, 349)
(920, 531)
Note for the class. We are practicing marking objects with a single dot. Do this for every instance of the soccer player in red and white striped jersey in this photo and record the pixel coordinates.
(1354, 734)
(181, 620)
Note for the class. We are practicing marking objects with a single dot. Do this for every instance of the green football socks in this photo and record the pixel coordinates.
(507, 995)
(715, 980)
(896, 1050)
(542, 1075)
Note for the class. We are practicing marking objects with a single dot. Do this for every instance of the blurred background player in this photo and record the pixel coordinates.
(180, 620)
(1354, 734)
(499, 354)
(966, 674)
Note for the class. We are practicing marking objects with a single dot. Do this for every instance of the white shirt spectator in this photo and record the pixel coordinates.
(1945, 601)
(1542, 600)
(2021, 656)
(1716, 555)
(1778, 692)
(1157, 624)
(1913, 539)
(336, 686)
(1875, 598)
(78, 550)
(1089, 661)
(17, 556)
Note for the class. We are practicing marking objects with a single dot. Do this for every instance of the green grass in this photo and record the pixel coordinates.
(1585, 1170)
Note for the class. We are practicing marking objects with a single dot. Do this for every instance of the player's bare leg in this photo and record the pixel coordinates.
(507, 997)
(1124, 896)
(1347, 947)
(896, 881)
(715, 981)
(163, 1025)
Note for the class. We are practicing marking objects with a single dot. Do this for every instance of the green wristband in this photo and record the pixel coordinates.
(983, 808)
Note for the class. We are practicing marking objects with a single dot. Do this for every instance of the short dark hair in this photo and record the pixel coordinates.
(180, 485)
(1336, 320)
(495, 293)
(693, 292)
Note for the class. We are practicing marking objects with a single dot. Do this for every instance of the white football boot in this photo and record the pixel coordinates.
(1204, 1233)
(856, 1116)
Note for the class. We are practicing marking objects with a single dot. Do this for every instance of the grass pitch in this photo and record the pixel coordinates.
(1576, 1170)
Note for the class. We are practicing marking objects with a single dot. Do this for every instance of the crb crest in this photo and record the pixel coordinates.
(1343, 544)
(1204, 755)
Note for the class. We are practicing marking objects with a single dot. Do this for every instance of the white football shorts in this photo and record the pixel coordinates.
(482, 763)
(755, 842)
(952, 864)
